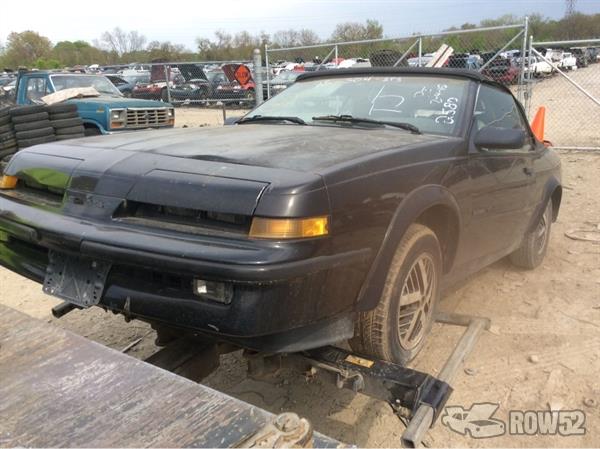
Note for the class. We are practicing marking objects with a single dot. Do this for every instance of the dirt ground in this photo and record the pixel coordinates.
(543, 349)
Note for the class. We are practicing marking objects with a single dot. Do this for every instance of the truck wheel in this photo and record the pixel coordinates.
(396, 329)
(91, 131)
(533, 249)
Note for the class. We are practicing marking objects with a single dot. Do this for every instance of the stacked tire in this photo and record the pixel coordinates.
(31, 125)
(8, 141)
(66, 121)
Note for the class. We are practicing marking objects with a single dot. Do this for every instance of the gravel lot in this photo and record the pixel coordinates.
(542, 351)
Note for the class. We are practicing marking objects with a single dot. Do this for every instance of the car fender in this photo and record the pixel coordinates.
(551, 185)
(408, 211)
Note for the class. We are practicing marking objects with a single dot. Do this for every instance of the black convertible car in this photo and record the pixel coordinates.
(337, 210)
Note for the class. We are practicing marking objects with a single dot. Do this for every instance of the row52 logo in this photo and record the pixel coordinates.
(478, 421)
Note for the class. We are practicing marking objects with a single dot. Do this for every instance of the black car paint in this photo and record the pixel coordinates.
(373, 183)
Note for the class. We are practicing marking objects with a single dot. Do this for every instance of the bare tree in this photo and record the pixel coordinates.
(121, 41)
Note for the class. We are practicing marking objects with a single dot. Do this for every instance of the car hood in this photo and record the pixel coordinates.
(291, 147)
(118, 102)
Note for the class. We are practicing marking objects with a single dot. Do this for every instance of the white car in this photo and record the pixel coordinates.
(568, 62)
(539, 67)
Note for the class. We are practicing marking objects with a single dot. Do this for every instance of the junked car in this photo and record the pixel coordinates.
(339, 209)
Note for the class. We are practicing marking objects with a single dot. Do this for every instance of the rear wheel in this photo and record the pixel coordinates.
(535, 244)
(397, 328)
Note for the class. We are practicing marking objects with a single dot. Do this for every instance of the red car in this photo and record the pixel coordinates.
(502, 70)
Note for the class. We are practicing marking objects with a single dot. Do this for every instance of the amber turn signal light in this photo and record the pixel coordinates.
(8, 182)
(288, 228)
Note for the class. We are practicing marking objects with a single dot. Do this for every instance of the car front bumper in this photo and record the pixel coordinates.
(280, 301)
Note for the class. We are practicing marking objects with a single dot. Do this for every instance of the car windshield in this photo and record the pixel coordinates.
(432, 104)
(285, 77)
(101, 83)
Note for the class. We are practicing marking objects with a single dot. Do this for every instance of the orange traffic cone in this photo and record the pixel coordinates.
(537, 126)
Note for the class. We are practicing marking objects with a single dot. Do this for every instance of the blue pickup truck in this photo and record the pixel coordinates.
(104, 114)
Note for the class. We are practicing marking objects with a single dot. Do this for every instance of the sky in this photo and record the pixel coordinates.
(182, 21)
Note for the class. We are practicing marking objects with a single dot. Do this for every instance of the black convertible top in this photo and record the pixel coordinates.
(457, 73)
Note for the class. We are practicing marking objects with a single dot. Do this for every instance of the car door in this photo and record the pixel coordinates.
(501, 181)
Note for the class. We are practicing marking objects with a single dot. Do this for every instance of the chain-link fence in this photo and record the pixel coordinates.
(565, 79)
(494, 51)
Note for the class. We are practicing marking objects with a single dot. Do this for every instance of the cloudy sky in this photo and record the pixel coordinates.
(181, 21)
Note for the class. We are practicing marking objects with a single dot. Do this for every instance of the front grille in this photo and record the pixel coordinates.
(182, 219)
(144, 118)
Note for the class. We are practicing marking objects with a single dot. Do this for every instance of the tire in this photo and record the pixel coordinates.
(61, 108)
(164, 96)
(30, 118)
(67, 123)
(4, 120)
(91, 131)
(70, 130)
(8, 145)
(42, 132)
(27, 110)
(70, 136)
(535, 244)
(63, 115)
(380, 331)
(37, 141)
(28, 126)
(6, 128)
(5, 153)
(7, 135)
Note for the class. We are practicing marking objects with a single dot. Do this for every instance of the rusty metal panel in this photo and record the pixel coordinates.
(60, 389)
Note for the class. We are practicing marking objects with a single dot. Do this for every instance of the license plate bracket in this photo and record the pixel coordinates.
(78, 280)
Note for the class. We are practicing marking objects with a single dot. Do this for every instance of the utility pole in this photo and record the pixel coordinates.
(570, 7)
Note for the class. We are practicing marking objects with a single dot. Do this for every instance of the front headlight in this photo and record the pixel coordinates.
(117, 118)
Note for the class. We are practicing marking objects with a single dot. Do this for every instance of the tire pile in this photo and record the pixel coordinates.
(8, 141)
(66, 121)
(24, 126)
(31, 125)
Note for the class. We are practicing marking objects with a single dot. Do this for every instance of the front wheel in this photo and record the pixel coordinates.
(397, 328)
(533, 249)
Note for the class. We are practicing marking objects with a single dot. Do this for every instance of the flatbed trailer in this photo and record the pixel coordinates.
(58, 389)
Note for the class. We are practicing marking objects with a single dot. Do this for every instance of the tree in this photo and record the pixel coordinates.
(354, 31)
(121, 42)
(24, 49)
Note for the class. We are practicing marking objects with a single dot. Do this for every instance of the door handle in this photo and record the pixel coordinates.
(527, 171)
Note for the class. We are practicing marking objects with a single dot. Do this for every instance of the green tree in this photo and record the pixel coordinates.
(24, 49)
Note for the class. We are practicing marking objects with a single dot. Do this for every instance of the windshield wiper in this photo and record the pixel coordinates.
(271, 118)
(350, 119)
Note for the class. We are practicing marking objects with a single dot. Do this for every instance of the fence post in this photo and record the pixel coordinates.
(523, 51)
(336, 55)
(258, 90)
(268, 71)
(167, 81)
(420, 50)
(529, 90)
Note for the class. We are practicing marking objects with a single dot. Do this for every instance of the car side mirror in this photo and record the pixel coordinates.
(492, 138)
